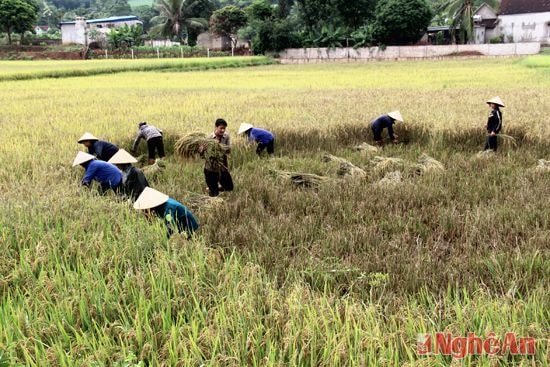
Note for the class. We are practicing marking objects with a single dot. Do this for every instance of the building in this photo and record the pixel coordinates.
(83, 32)
(516, 21)
(213, 42)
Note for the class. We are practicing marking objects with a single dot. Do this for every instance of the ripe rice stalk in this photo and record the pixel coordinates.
(198, 201)
(346, 168)
(508, 140)
(199, 145)
(543, 165)
(485, 154)
(391, 179)
(366, 147)
(383, 163)
(428, 164)
(153, 169)
(304, 180)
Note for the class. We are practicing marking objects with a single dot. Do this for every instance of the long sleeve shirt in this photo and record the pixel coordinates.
(107, 174)
(382, 123)
(261, 136)
(133, 182)
(494, 123)
(103, 150)
(146, 132)
(177, 217)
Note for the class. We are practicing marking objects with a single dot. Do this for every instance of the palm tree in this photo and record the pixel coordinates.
(175, 18)
(461, 13)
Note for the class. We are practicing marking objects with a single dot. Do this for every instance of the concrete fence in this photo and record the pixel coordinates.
(304, 55)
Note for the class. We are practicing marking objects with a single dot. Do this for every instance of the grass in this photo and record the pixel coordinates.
(24, 70)
(346, 274)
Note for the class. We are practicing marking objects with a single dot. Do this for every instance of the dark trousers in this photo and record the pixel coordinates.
(269, 146)
(155, 144)
(222, 178)
(377, 134)
(491, 143)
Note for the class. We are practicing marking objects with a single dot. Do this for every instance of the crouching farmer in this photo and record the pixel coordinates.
(103, 150)
(133, 180)
(385, 122)
(217, 175)
(177, 217)
(153, 136)
(106, 174)
(494, 123)
(264, 138)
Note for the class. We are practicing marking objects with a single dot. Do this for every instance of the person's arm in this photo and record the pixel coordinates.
(227, 145)
(89, 175)
(136, 140)
(390, 131)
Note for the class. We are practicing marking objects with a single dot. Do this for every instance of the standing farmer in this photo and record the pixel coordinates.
(217, 176)
(133, 180)
(108, 176)
(153, 136)
(494, 123)
(176, 215)
(103, 150)
(264, 138)
(385, 122)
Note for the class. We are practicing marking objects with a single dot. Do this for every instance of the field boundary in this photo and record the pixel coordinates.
(165, 65)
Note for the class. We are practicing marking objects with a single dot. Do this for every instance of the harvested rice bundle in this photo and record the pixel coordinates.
(152, 170)
(197, 201)
(305, 180)
(543, 165)
(391, 178)
(199, 145)
(383, 163)
(485, 154)
(428, 164)
(366, 147)
(346, 168)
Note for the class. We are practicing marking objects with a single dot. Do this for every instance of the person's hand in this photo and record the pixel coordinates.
(493, 133)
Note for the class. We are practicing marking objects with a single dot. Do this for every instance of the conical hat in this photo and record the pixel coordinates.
(122, 157)
(150, 198)
(244, 128)
(86, 136)
(82, 157)
(497, 101)
(396, 115)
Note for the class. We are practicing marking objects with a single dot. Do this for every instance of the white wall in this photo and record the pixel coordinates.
(77, 33)
(533, 27)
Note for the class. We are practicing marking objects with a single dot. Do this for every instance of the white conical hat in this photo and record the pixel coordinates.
(244, 128)
(82, 157)
(396, 115)
(86, 136)
(150, 198)
(122, 157)
(496, 100)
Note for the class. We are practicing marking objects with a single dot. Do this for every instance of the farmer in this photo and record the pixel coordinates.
(264, 138)
(217, 176)
(108, 176)
(383, 122)
(176, 216)
(133, 180)
(103, 150)
(494, 123)
(153, 136)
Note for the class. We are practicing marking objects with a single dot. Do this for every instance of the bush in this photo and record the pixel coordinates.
(497, 39)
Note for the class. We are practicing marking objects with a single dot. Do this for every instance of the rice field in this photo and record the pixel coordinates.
(431, 237)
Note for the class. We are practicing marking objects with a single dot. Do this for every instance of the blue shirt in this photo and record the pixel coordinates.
(107, 174)
(177, 217)
(261, 136)
(103, 150)
(383, 122)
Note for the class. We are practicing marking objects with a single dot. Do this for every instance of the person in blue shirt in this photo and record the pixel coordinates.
(494, 123)
(177, 217)
(106, 174)
(264, 138)
(385, 122)
(103, 150)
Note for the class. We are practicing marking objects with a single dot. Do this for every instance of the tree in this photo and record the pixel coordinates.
(461, 13)
(126, 36)
(175, 18)
(227, 21)
(17, 16)
(316, 14)
(145, 13)
(401, 22)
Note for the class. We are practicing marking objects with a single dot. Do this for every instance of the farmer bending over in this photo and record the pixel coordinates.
(103, 150)
(108, 176)
(494, 123)
(264, 138)
(217, 175)
(383, 122)
(153, 136)
(133, 180)
(176, 215)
